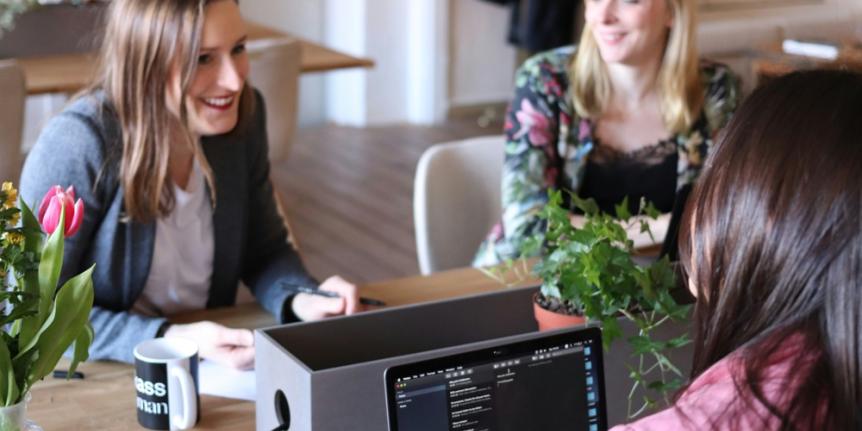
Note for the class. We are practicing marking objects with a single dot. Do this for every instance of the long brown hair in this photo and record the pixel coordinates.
(678, 80)
(772, 240)
(144, 40)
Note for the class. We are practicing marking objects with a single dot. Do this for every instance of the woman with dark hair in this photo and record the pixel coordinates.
(771, 245)
(168, 151)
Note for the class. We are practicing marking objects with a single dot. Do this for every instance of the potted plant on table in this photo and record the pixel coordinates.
(588, 274)
(40, 321)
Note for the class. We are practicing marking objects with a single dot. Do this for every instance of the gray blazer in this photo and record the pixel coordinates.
(82, 146)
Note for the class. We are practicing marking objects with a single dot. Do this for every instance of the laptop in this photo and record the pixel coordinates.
(550, 383)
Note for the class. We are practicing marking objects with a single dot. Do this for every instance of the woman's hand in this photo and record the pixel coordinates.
(315, 307)
(658, 227)
(577, 220)
(218, 343)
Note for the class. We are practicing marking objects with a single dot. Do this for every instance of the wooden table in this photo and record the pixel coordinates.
(105, 400)
(70, 72)
(772, 62)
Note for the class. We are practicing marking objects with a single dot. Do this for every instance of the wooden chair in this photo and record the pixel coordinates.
(12, 101)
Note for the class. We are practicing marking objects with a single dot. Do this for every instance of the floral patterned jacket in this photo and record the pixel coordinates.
(547, 145)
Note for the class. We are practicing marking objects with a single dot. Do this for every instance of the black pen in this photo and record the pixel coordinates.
(331, 294)
(63, 374)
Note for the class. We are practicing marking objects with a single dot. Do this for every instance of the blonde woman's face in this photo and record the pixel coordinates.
(631, 32)
(213, 96)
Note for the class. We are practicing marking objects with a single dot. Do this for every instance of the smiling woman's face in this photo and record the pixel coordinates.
(629, 32)
(213, 95)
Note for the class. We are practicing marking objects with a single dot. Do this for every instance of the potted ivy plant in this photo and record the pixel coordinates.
(588, 274)
(40, 321)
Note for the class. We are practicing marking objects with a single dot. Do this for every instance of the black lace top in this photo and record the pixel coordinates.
(649, 172)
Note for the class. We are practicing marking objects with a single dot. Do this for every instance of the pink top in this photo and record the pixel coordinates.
(705, 402)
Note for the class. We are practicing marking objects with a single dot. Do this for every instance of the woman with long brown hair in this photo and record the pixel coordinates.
(772, 249)
(168, 151)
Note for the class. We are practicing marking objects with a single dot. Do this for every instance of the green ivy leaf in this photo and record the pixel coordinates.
(677, 342)
(651, 211)
(643, 345)
(592, 269)
(588, 206)
(611, 331)
(622, 209)
(531, 246)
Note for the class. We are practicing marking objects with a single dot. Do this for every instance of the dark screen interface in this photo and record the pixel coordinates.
(547, 389)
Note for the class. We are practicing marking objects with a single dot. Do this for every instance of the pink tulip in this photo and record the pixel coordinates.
(56, 200)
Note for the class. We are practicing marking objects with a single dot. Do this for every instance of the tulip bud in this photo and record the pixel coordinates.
(57, 200)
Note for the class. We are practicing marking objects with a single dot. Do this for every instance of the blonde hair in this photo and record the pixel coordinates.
(678, 80)
(144, 41)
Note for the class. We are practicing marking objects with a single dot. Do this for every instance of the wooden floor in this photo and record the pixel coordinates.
(348, 193)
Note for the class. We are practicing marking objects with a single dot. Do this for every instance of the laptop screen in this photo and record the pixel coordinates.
(550, 383)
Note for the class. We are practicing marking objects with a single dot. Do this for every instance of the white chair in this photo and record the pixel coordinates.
(275, 68)
(456, 200)
(14, 94)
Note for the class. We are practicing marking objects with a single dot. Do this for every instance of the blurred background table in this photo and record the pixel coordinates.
(68, 73)
(773, 62)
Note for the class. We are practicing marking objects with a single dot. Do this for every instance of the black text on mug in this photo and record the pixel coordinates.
(166, 382)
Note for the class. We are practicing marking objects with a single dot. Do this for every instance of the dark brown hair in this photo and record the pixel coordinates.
(772, 241)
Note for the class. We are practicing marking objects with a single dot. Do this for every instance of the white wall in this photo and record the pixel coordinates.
(303, 18)
(406, 39)
(386, 42)
(346, 89)
(428, 61)
(482, 63)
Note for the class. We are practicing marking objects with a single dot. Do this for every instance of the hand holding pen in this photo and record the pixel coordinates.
(335, 297)
(330, 294)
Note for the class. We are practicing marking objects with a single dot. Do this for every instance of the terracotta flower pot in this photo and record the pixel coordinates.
(549, 320)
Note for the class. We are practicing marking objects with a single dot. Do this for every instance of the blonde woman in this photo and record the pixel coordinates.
(168, 151)
(631, 112)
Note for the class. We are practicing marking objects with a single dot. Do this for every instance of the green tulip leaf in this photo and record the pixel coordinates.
(82, 348)
(49, 268)
(8, 386)
(69, 314)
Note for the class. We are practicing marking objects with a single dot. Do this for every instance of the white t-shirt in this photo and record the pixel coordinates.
(180, 272)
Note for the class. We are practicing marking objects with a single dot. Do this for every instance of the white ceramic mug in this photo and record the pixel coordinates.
(166, 382)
